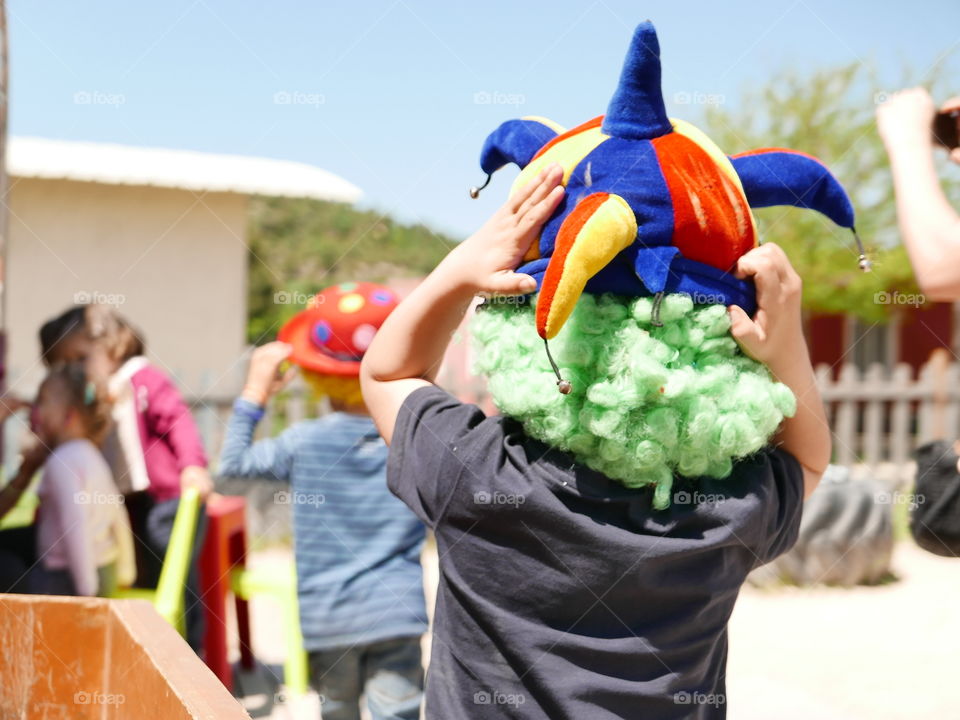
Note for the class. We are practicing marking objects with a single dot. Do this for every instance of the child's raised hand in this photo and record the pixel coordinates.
(775, 333)
(264, 378)
(487, 259)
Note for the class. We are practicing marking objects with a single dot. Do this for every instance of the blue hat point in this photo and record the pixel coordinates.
(636, 110)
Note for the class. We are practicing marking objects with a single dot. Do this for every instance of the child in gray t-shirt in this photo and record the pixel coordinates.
(566, 592)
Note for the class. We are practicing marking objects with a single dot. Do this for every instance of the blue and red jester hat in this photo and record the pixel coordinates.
(652, 205)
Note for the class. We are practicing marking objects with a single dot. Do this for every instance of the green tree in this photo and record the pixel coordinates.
(829, 114)
(300, 246)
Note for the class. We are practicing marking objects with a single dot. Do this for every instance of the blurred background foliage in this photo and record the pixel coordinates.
(300, 246)
(830, 113)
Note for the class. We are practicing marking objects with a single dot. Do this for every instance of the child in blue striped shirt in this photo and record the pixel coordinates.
(357, 547)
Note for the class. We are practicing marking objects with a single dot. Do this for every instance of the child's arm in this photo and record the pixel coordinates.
(170, 417)
(271, 457)
(65, 509)
(774, 336)
(32, 460)
(409, 347)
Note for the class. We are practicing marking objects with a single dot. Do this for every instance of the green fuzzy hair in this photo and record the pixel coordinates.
(647, 402)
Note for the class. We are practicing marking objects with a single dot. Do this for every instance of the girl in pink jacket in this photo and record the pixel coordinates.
(154, 448)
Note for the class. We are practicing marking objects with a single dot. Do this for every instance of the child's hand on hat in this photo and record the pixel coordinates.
(486, 260)
(265, 378)
(774, 335)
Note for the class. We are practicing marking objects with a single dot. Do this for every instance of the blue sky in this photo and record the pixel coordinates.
(397, 95)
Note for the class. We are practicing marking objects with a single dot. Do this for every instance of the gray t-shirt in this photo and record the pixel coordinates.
(562, 593)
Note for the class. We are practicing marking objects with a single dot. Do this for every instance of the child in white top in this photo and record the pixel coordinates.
(84, 544)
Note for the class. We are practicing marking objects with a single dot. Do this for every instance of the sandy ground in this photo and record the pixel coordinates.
(869, 653)
(889, 652)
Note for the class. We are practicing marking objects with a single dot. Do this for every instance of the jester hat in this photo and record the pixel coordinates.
(652, 205)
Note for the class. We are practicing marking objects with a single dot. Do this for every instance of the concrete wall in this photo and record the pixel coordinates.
(174, 261)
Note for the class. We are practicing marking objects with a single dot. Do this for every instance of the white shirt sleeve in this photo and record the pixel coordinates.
(67, 512)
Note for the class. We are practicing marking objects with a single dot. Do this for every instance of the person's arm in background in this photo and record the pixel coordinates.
(774, 336)
(170, 417)
(408, 348)
(270, 458)
(929, 225)
(33, 458)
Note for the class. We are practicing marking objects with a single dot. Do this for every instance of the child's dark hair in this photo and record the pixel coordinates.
(100, 323)
(85, 396)
(53, 331)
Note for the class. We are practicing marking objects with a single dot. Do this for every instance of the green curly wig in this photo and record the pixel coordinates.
(647, 402)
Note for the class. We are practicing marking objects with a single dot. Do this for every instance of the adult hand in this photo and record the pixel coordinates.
(906, 120)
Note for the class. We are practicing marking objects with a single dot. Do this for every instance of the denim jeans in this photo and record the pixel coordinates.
(389, 673)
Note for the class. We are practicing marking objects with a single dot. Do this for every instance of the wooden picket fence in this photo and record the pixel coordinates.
(878, 417)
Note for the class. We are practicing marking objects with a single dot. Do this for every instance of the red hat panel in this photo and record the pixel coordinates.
(337, 327)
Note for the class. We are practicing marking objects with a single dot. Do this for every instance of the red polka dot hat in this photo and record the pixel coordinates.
(335, 330)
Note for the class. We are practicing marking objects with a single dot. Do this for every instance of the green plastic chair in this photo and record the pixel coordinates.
(23, 513)
(280, 582)
(167, 598)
